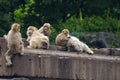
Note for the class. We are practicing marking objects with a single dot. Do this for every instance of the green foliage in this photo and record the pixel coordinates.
(6, 14)
(78, 26)
(53, 35)
(88, 24)
(5, 20)
(116, 41)
(76, 15)
(2, 32)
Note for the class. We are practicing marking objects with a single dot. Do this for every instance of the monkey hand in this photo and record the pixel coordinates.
(5, 36)
(8, 63)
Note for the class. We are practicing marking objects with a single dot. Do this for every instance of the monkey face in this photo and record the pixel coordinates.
(44, 45)
(45, 29)
(46, 26)
(30, 30)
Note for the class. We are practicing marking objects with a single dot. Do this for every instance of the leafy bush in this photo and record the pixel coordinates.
(2, 32)
(78, 26)
(91, 24)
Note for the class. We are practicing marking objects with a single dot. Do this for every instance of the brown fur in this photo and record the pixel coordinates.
(45, 29)
(61, 39)
(14, 43)
(30, 31)
(39, 40)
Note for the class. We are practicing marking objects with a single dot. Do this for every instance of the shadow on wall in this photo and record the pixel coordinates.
(99, 39)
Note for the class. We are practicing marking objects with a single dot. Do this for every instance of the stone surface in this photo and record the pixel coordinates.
(54, 64)
(100, 39)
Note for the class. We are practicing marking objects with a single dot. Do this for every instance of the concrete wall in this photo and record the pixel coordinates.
(54, 64)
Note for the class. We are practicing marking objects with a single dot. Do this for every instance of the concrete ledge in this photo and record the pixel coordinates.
(54, 64)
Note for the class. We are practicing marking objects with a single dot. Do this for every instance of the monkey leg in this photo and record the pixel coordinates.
(8, 56)
(21, 50)
(88, 50)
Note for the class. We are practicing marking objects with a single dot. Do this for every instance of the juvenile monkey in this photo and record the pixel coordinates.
(45, 29)
(62, 38)
(39, 40)
(30, 31)
(78, 45)
(14, 43)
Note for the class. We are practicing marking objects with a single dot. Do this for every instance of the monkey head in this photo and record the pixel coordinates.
(15, 27)
(46, 28)
(47, 25)
(44, 44)
(30, 30)
(64, 37)
(65, 32)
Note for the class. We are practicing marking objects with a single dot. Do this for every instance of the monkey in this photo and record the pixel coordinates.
(78, 45)
(45, 29)
(61, 39)
(30, 31)
(38, 40)
(44, 43)
(14, 43)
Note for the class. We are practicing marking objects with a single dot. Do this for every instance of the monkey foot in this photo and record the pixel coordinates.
(91, 53)
(8, 64)
(28, 47)
(22, 53)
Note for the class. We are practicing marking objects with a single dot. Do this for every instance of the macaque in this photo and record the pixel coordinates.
(78, 45)
(39, 40)
(30, 31)
(45, 29)
(14, 43)
(62, 38)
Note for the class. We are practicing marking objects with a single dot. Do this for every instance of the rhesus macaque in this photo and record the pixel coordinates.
(30, 31)
(62, 38)
(45, 29)
(78, 45)
(39, 40)
(14, 43)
